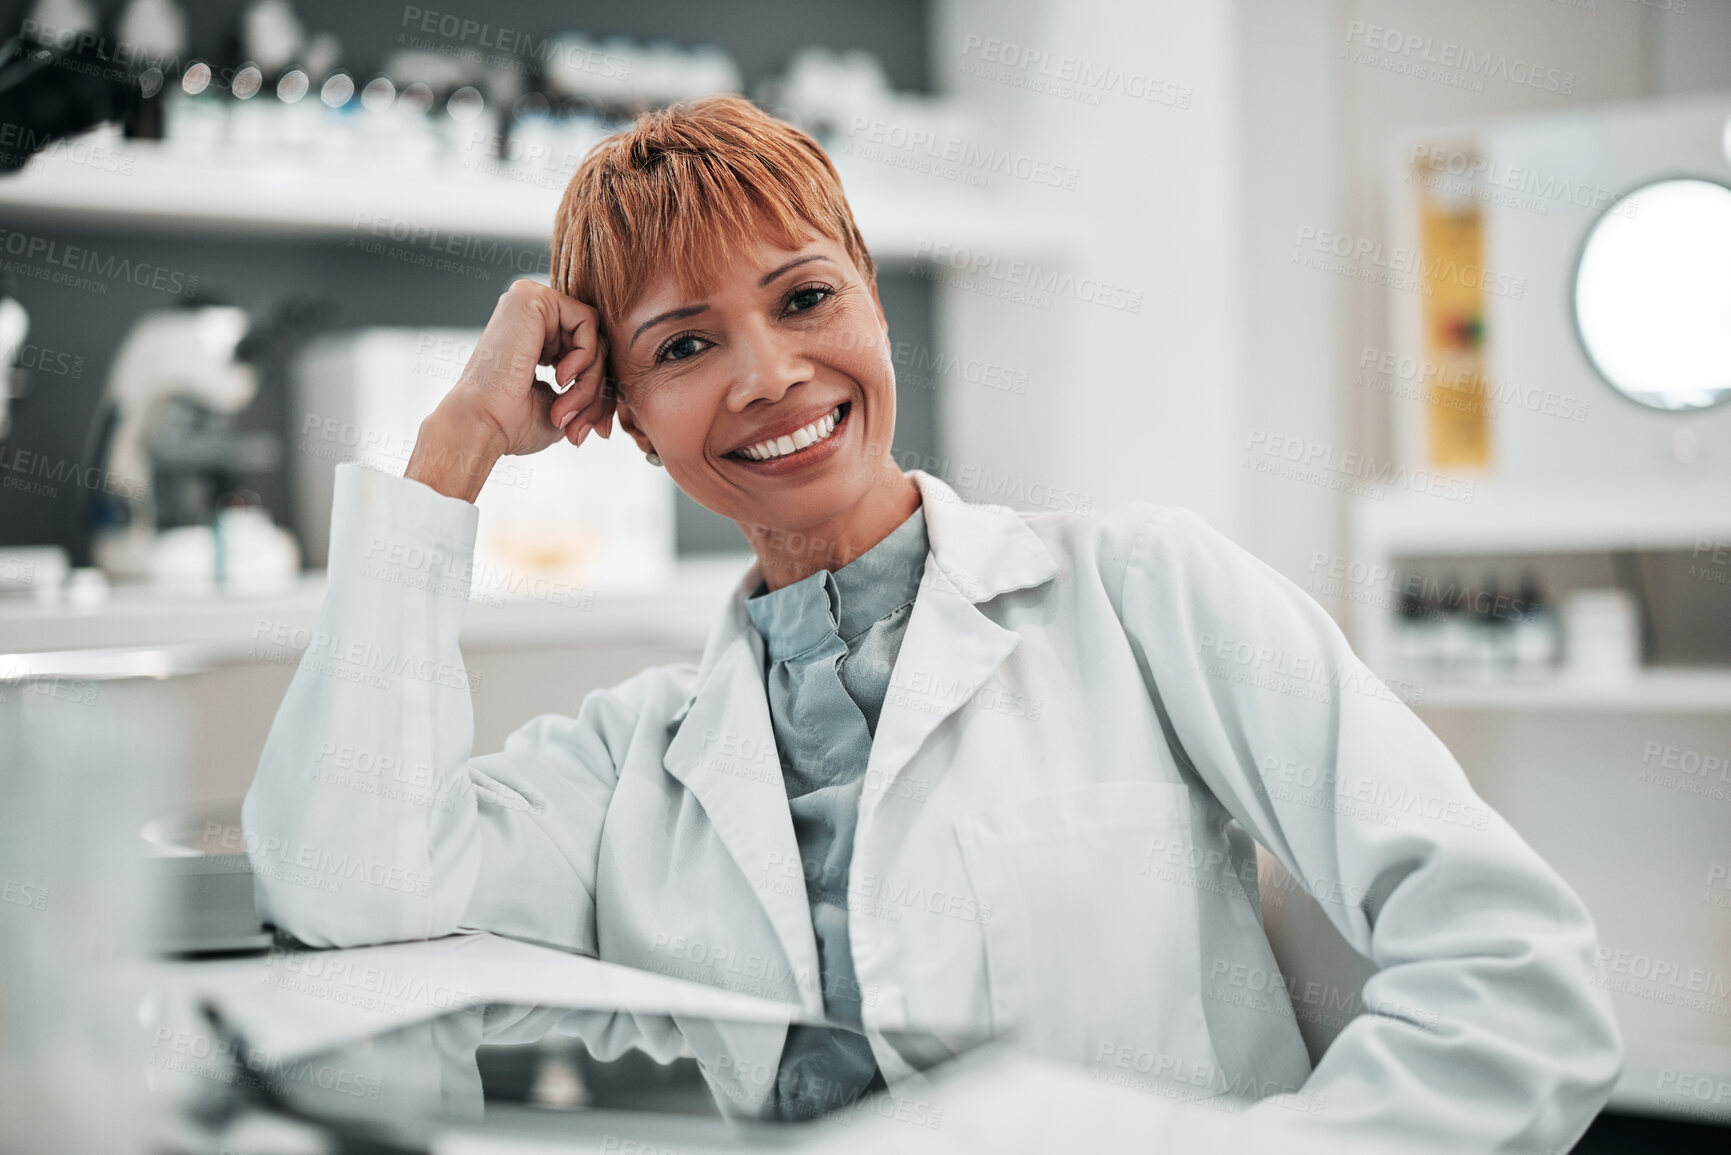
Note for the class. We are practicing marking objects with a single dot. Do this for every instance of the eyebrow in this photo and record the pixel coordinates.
(793, 264)
(693, 310)
(670, 315)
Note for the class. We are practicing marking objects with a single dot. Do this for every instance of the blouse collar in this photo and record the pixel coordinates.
(848, 600)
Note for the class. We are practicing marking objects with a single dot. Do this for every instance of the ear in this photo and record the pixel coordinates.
(625, 419)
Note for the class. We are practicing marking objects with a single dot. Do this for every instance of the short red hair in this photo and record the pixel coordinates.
(687, 188)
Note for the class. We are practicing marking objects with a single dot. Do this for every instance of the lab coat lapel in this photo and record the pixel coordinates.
(750, 812)
(951, 647)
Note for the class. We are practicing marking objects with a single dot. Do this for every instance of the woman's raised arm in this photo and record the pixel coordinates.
(368, 821)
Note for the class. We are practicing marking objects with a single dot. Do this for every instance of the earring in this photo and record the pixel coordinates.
(652, 457)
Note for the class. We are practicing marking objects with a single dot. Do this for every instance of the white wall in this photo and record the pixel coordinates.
(1143, 404)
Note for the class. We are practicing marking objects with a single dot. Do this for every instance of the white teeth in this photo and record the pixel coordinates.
(799, 439)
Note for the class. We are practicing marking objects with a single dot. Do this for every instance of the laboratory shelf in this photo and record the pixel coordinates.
(1652, 690)
(1501, 520)
(231, 629)
(143, 185)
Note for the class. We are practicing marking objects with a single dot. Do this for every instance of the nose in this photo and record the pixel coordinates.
(766, 363)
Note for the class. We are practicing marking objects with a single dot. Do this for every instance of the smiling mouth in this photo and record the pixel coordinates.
(797, 442)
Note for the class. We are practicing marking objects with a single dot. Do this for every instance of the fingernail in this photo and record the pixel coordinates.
(566, 420)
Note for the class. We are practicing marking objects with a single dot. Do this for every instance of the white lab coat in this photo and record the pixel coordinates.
(1090, 718)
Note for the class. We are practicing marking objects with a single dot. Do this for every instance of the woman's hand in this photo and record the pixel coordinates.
(498, 406)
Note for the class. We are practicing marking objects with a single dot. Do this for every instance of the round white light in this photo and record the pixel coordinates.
(292, 86)
(247, 82)
(1653, 294)
(378, 94)
(337, 89)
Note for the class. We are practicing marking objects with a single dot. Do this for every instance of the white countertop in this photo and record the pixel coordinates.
(677, 614)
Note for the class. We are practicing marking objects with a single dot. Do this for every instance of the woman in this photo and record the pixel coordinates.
(942, 765)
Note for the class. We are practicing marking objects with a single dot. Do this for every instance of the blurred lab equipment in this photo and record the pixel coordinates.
(1601, 635)
(1445, 630)
(871, 132)
(559, 525)
(56, 84)
(171, 452)
(14, 328)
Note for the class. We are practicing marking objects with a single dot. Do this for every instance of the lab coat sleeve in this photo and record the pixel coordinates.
(1482, 1028)
(368, 820)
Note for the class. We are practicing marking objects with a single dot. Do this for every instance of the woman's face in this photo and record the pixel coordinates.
(712, 382)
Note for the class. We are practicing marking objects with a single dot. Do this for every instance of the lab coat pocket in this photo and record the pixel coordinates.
(1092, 948)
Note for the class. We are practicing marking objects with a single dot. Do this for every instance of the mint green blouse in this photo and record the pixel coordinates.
(831, 640)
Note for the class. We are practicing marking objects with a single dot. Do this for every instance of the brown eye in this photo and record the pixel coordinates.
(808, 297)
(679, 348)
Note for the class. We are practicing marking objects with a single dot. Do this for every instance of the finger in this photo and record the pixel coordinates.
(570, 365)
(571, 326)
(565, 408)
(590, 389)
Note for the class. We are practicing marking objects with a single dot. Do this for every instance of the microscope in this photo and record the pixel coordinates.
(172, 459)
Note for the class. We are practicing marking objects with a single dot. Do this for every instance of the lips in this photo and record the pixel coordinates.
(793, 434)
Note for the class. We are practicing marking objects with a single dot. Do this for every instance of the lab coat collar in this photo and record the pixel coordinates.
(982, 550)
